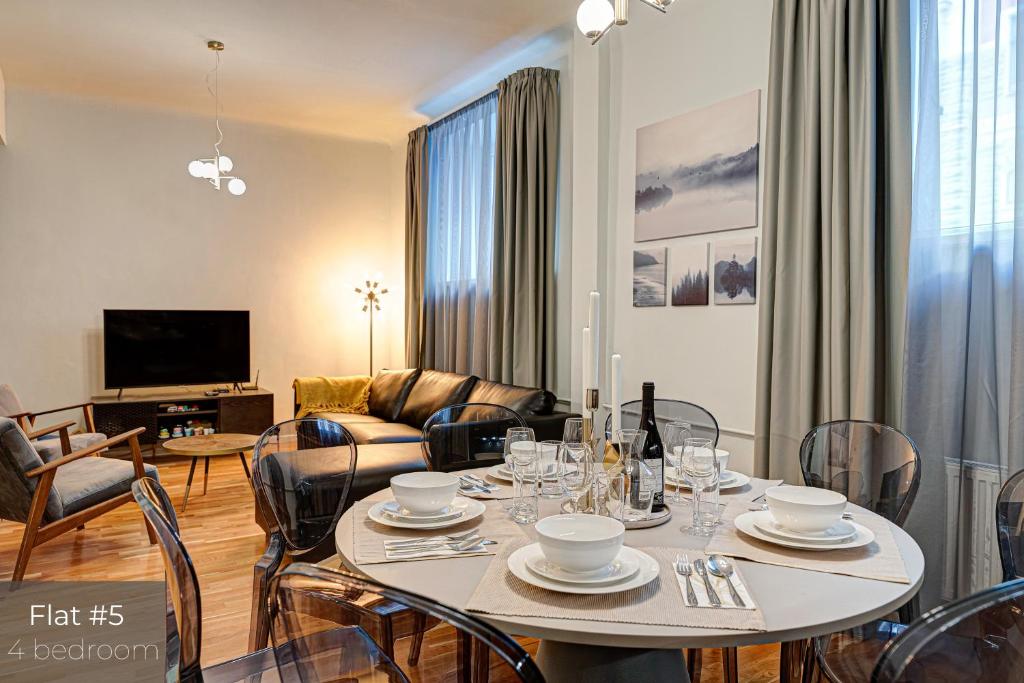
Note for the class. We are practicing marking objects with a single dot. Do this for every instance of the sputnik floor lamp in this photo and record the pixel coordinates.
(371, 294)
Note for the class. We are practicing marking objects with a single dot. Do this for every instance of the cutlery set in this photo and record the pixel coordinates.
(717, 565)
(470, 483)
(467, 542)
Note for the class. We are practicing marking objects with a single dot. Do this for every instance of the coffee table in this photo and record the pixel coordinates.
(209, 446)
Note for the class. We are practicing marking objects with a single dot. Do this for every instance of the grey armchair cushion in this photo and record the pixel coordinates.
(9, 402)
(83, 483)
(17, 456)
(49, 448)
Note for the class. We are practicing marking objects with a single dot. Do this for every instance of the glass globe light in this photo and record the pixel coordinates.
(236, 186)
(209, 170)
(594, 16)
(225, 164)
(195, 168)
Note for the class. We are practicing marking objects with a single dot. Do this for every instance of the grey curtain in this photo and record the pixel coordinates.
(415, 243)
(836, 222)
(521, 344)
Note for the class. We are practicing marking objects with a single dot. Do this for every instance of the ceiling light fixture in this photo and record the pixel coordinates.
(215, 168)
(596, 17)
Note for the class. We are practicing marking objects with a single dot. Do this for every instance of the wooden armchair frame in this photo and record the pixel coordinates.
(37, 533)
(90, 423)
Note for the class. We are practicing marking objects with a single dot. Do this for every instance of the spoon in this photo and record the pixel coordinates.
(720, 566)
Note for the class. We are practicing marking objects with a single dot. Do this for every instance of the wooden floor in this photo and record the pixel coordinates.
(224, 542)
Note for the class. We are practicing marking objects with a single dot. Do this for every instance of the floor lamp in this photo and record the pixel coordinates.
(371, 302)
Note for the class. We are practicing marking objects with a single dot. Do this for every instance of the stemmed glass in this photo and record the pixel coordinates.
(676, 434)
(521, 457)
(575, 471)
(572, 431)
(702, 470)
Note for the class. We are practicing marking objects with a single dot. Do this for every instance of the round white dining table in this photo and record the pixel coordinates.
(797, 604)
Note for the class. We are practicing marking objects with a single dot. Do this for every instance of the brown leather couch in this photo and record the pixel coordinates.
(401, 401)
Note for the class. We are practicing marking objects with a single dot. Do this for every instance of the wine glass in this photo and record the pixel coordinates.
(701, 467)
(572, 431)
(575, 471)
(676, 434)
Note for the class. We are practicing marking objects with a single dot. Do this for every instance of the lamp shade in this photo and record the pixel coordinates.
(236, 186)
(594, 16)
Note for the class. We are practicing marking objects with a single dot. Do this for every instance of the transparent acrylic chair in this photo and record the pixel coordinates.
(977, 638)
(184, 602)
(878, 468)
(348, 644)
(703, 424)
(467, 435)
(1010, 526)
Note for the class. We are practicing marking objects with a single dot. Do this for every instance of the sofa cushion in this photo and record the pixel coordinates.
(523, 400)
(83, 483)
(384, 432)
(49, 448)
(346, 419)
(378, 463)
(389, 391)
(434, 390)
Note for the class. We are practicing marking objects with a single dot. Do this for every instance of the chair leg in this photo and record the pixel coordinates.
(35, 518)
(791, 658)
(206, 473)
(80, 527)
(910, 611)
(188, 484)
(245, 466)
(730, 665)
(693, 662)
(263, 572)
(810, 664)
(419, 621)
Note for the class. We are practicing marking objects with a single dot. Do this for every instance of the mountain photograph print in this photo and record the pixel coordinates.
(697, 173)
(649, 277)
(690, 275)
(736, 271)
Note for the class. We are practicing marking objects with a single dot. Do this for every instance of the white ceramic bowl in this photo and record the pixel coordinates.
(805, 508)
(580, 543)
(424, 492)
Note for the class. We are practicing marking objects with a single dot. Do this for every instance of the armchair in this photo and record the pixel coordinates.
(49, 448)
(51, 498)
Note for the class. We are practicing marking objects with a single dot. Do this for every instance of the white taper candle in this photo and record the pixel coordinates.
(616, 393)
(587, 366)
(594, 323)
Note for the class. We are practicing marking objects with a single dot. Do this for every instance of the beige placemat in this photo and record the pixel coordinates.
(658, 603)
(879, 560)
(368, 536)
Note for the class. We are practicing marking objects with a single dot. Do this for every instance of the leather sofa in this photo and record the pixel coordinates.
(400, 403)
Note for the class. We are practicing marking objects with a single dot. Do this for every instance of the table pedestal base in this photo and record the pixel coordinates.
(569, 663)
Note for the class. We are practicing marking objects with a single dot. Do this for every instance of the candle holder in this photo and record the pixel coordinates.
(591, 436)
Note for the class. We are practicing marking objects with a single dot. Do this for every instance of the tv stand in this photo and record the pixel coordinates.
(251, 412)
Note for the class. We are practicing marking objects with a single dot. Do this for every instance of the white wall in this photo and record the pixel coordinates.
(97, 211)
(653, 69)
(3, 110)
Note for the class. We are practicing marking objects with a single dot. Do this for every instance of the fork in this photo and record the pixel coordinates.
(468, 545)
(428, 539)
(477, 481)
(684, 569)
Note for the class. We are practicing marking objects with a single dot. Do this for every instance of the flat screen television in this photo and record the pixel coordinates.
(168, 348)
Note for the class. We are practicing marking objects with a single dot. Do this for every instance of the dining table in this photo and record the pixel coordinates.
(796, 603)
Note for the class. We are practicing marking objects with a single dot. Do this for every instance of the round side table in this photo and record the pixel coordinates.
(209, 446)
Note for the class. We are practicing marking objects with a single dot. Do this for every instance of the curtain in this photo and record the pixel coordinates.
(415, 244)
(835, 226)
(964, 401)
(522, 344)
(457, 297)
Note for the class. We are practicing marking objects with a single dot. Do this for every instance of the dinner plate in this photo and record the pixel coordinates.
(840, 531)
(734, 481)
(746, 524)
(468, 508)
(393, 509)
(502, 473)
(624, 566)
(517, 565)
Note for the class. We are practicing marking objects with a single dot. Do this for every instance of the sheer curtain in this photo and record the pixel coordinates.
(964, 370)
(459, 244)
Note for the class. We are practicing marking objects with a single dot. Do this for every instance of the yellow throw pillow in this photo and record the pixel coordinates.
(333, 394)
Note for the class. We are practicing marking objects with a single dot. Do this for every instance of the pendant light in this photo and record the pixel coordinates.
(595, 17)
(216, 168)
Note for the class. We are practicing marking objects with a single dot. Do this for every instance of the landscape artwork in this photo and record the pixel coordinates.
(689, 266)
(697, 172)
(736, 271)
(649, 277)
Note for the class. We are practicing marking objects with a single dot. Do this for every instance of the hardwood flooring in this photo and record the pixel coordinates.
(224, 542)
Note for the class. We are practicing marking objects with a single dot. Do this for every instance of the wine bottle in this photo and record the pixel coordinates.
(653, 451)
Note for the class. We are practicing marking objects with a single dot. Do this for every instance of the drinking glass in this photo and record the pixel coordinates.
(572, 430)
(521, 457)
(702, 469)
(640, 480)
(676, 434)
(548, 468)
(575, 471)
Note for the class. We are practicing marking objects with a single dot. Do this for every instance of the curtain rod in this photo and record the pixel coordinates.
(456, 112)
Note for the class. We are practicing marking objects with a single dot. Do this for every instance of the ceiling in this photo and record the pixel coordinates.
(355, 68)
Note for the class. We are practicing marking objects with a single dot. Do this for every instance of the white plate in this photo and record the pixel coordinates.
(648, 572)
(745, 523)
(393, 509)
(468, 507)
(735, 480)
(624, 566)
(502, 473)
(840, 531)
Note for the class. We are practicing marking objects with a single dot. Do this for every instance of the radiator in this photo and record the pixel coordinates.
(980, 490)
